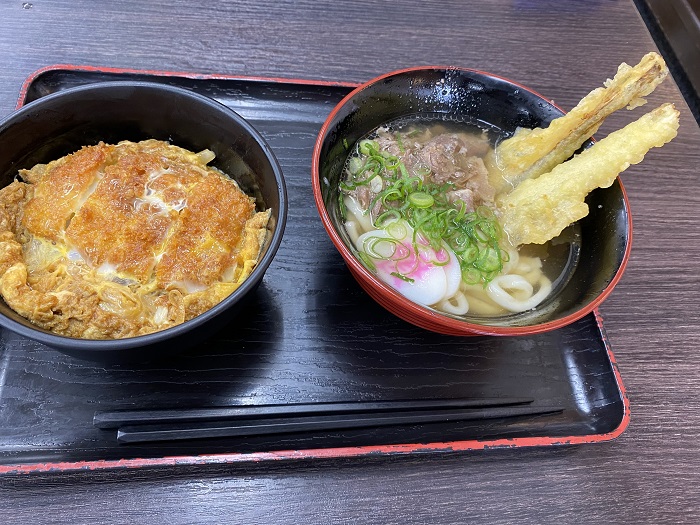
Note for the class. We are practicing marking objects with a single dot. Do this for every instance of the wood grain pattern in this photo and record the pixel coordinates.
(561, 49)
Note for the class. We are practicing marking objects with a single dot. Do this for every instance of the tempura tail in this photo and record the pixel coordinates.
(539, 209)
(530, 153)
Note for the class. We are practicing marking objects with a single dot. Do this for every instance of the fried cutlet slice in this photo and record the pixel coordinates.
(116, 229)
(203, 243)
(60, 188)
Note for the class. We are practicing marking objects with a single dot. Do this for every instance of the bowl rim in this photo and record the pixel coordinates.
(438, 322)
(98, 346)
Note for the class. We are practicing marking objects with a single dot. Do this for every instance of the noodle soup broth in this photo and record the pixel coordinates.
(417, 202)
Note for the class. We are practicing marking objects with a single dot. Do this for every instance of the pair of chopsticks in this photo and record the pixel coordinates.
(140, 426)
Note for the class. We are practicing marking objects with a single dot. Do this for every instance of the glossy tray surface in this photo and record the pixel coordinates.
(310, 335)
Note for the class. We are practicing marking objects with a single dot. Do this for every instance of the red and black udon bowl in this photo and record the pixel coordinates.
(484, 100)
(63, 122)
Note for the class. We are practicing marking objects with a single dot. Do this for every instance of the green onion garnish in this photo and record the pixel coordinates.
(473, 236)
(402, 277)
(420, 199)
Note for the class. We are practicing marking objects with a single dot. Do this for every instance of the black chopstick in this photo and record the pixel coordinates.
(258, 427)
(119, 418)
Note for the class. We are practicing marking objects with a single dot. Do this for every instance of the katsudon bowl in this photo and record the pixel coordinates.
(61, 123)
(594, 250)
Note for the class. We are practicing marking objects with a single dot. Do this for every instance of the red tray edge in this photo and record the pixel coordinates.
(320, 453)
(183, 74)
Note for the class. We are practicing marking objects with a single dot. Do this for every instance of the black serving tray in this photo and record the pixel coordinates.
(310, 335)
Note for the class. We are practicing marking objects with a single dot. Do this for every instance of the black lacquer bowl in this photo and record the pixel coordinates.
(62, 123)
(491, 102)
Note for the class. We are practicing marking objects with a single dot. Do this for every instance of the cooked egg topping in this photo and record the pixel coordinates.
(121, 240)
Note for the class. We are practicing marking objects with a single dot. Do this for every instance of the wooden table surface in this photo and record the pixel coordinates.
(563, 49)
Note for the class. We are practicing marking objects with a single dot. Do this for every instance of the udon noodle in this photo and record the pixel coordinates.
(419, 209)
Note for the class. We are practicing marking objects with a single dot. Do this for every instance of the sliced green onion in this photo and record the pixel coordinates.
(393, 194)
(368, 146)
(366, 180)
(402, 277)
(470, 254)
(387, 217)
(355, 165)
(392, 163)
(397, 230)
(374, 245)
(400, 143)
(367, 260)
(346, 187)
(489, 261)
(421, 199)
(409, 194)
